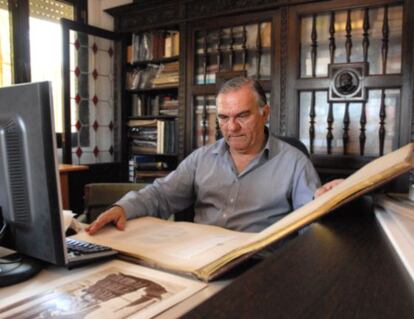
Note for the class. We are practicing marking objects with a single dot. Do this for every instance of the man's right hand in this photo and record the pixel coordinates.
(115, 215)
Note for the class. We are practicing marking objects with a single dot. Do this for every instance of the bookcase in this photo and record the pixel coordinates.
(151, 87)
(297, 49)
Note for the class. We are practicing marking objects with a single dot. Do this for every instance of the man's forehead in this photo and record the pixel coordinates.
(236, 98)
(233, 111)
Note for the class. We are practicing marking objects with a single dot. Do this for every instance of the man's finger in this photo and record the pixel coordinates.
(98, 224)
(120, 224)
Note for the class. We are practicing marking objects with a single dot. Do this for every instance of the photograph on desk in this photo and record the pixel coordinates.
(114, 290)
(205, 251)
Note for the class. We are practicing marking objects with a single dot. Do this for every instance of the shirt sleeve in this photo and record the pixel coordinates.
(165, 196)
(306, 182)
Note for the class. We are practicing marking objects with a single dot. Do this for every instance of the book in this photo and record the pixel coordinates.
(205, 251)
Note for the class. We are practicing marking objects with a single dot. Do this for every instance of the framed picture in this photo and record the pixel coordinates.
(347, 82)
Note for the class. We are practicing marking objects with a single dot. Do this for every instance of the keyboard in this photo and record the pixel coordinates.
(81, 252)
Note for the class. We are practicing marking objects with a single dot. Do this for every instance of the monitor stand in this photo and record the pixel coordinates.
(16, 268)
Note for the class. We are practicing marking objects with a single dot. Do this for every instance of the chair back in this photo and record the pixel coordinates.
(100, 196)
(294, 142)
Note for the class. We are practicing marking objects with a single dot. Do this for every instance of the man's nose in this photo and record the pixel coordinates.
(233, 124)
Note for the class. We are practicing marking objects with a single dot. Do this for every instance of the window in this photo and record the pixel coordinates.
(5, 45)
(46, 51)
(41, 48)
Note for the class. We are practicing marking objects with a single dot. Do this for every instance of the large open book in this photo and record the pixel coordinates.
(206, 251)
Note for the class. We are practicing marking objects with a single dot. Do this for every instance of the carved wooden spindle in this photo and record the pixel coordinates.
(385, 38)
(329, 135)
(314, 45)
(217, 135)
(332, 45)
(244, 47)
(231, 48)
(258, 50)
(348, 41)
(312, 115)
(204, 128)
(382, 116)
(205, 57)
(219, 49)
(362, 136)
(365, 35)
(345, 136)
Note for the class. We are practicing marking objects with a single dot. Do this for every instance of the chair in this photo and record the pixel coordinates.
(294, 142)
(100, 196)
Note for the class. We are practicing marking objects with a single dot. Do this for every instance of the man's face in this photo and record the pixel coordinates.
(240, 120)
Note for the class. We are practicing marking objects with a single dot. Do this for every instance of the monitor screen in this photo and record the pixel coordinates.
(30, 192)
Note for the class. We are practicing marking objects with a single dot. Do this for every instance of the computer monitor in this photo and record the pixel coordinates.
(30, 203)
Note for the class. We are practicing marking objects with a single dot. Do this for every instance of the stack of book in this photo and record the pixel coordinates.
(152, 136)
(144, 138)
(168, 105)
(144, 167)
(168, 76)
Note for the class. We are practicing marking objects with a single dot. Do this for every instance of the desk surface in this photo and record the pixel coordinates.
(342, 267)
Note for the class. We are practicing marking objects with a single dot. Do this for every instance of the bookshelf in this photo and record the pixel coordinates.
(152, 79)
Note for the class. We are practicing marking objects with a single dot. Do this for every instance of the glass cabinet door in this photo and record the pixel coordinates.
(219, 54)
(350, 80)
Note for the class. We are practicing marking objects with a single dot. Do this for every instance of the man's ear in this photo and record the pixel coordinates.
(266, 112)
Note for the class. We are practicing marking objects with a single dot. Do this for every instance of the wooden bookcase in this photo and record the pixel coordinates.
(151, 102)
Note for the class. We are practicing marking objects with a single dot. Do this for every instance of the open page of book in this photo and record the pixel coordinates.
(179, 246)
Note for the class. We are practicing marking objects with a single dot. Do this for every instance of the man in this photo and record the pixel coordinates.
(246, 181)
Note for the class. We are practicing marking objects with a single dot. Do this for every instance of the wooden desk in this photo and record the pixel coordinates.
(342, 267)
(64, 170)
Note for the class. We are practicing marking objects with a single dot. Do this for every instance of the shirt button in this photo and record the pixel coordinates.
(231, 200)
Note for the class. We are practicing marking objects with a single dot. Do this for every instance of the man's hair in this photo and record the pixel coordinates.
(237, 83)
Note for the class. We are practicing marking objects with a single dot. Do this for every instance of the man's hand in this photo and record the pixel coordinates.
(328, 186)
(115, 215)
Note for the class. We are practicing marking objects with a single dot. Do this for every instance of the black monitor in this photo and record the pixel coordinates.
(30, 203)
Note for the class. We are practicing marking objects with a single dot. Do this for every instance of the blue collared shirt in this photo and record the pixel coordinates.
(280, 179)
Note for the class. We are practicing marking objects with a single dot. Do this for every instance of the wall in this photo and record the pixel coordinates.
(96, 15)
